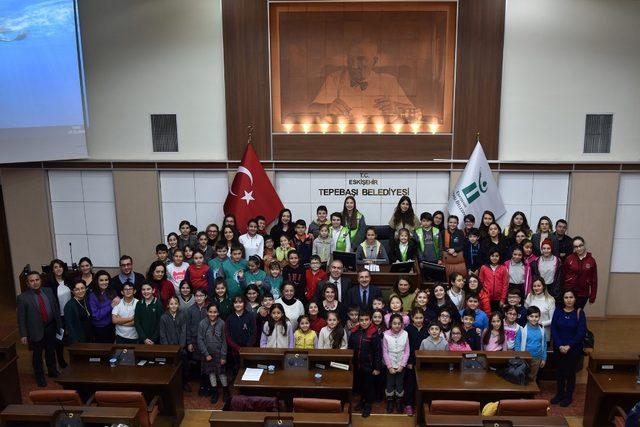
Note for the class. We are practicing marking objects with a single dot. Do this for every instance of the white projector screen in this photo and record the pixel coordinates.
(41, 96)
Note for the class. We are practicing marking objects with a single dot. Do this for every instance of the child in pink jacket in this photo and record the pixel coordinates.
(395, 353)
(457, 341)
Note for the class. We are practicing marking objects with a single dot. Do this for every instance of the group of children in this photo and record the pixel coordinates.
(215, 291)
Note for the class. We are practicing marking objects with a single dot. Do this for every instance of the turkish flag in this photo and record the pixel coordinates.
(251, 193)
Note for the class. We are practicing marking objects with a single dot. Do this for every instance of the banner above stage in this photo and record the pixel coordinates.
(476, 190)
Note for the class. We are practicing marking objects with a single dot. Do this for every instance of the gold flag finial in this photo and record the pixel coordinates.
(477, 136)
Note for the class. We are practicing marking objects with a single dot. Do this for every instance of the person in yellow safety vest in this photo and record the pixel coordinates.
(371, 251)
(429, 240)
(354, 221)
(340, 239)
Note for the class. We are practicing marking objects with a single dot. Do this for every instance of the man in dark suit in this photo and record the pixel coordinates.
(335, 276)
(127, 275)
(39, 321)
(363, 294)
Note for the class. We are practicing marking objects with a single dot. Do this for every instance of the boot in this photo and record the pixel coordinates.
(226, 396)
(205, 386)
(560, 393)
(366, 409)
(568, 396)
(399, 405)
(390, 404)
(214, 395)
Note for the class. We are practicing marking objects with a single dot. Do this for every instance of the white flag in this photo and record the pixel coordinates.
(476, 190)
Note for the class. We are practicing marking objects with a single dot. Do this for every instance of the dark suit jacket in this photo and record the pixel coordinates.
(29, 319)
(345, 284)
(354, 297)
(116, 284)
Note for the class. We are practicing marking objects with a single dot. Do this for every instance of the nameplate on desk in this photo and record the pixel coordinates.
(94, 360)
(161, 360)
(607, 367)
(470, 355)
(261, 366)
(338, 365)
(320, 366)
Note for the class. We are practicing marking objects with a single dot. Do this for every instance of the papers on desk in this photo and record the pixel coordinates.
(374, 268)
(252, 374)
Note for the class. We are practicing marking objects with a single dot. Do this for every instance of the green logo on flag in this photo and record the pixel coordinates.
(472, 191)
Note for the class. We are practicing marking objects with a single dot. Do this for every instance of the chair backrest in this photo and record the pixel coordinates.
(253, 404)
(523, 407)
(454, 407)
(55, 397)
(307, 404)
(125, 399)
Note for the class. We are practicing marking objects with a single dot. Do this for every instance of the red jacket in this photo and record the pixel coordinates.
(581, 276)
(317, 324)
(166, 291)
(483, 302)
(496, 283)
(312, 281)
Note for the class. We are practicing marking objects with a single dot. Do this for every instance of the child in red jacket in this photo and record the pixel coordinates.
(313, 276)
(367, 358)
(495, 279)
(581, 274)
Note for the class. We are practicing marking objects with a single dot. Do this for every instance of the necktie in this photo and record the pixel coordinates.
(42, 307)
(364, 297)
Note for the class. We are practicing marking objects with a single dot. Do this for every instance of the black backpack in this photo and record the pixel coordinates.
(516, 371)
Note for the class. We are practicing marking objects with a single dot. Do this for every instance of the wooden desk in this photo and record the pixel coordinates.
(163, 380)
(611, 381)
(256, 419)
(291, 383)
(250, 356)
(435, 381)
(81, 352)
(385, 278)
(477, 420)
(43, 414)
(10, 384)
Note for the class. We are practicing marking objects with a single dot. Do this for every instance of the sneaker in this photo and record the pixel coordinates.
(41, 382)
(366, 410)
(204, 391)
(408, 410)
(557, 398)
(54, 374)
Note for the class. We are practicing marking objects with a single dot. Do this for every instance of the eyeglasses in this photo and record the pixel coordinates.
(456, 333)
(444, 315)
(578, 246)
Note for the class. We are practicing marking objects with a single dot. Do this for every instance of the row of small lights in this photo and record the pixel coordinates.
(397, 128)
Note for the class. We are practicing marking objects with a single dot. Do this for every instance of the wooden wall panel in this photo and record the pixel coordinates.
(26, 203)
(361, 147)
(478, 76)
(246, 74)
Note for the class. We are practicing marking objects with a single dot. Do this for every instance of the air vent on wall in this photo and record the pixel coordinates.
(597, 133)
(164, 133)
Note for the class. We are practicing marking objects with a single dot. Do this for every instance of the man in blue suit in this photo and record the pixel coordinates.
(363, 294)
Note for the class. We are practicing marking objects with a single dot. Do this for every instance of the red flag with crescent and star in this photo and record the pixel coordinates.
(251, 193)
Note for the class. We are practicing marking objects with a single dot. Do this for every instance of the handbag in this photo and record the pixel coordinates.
(589, 340)
(516, 371)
